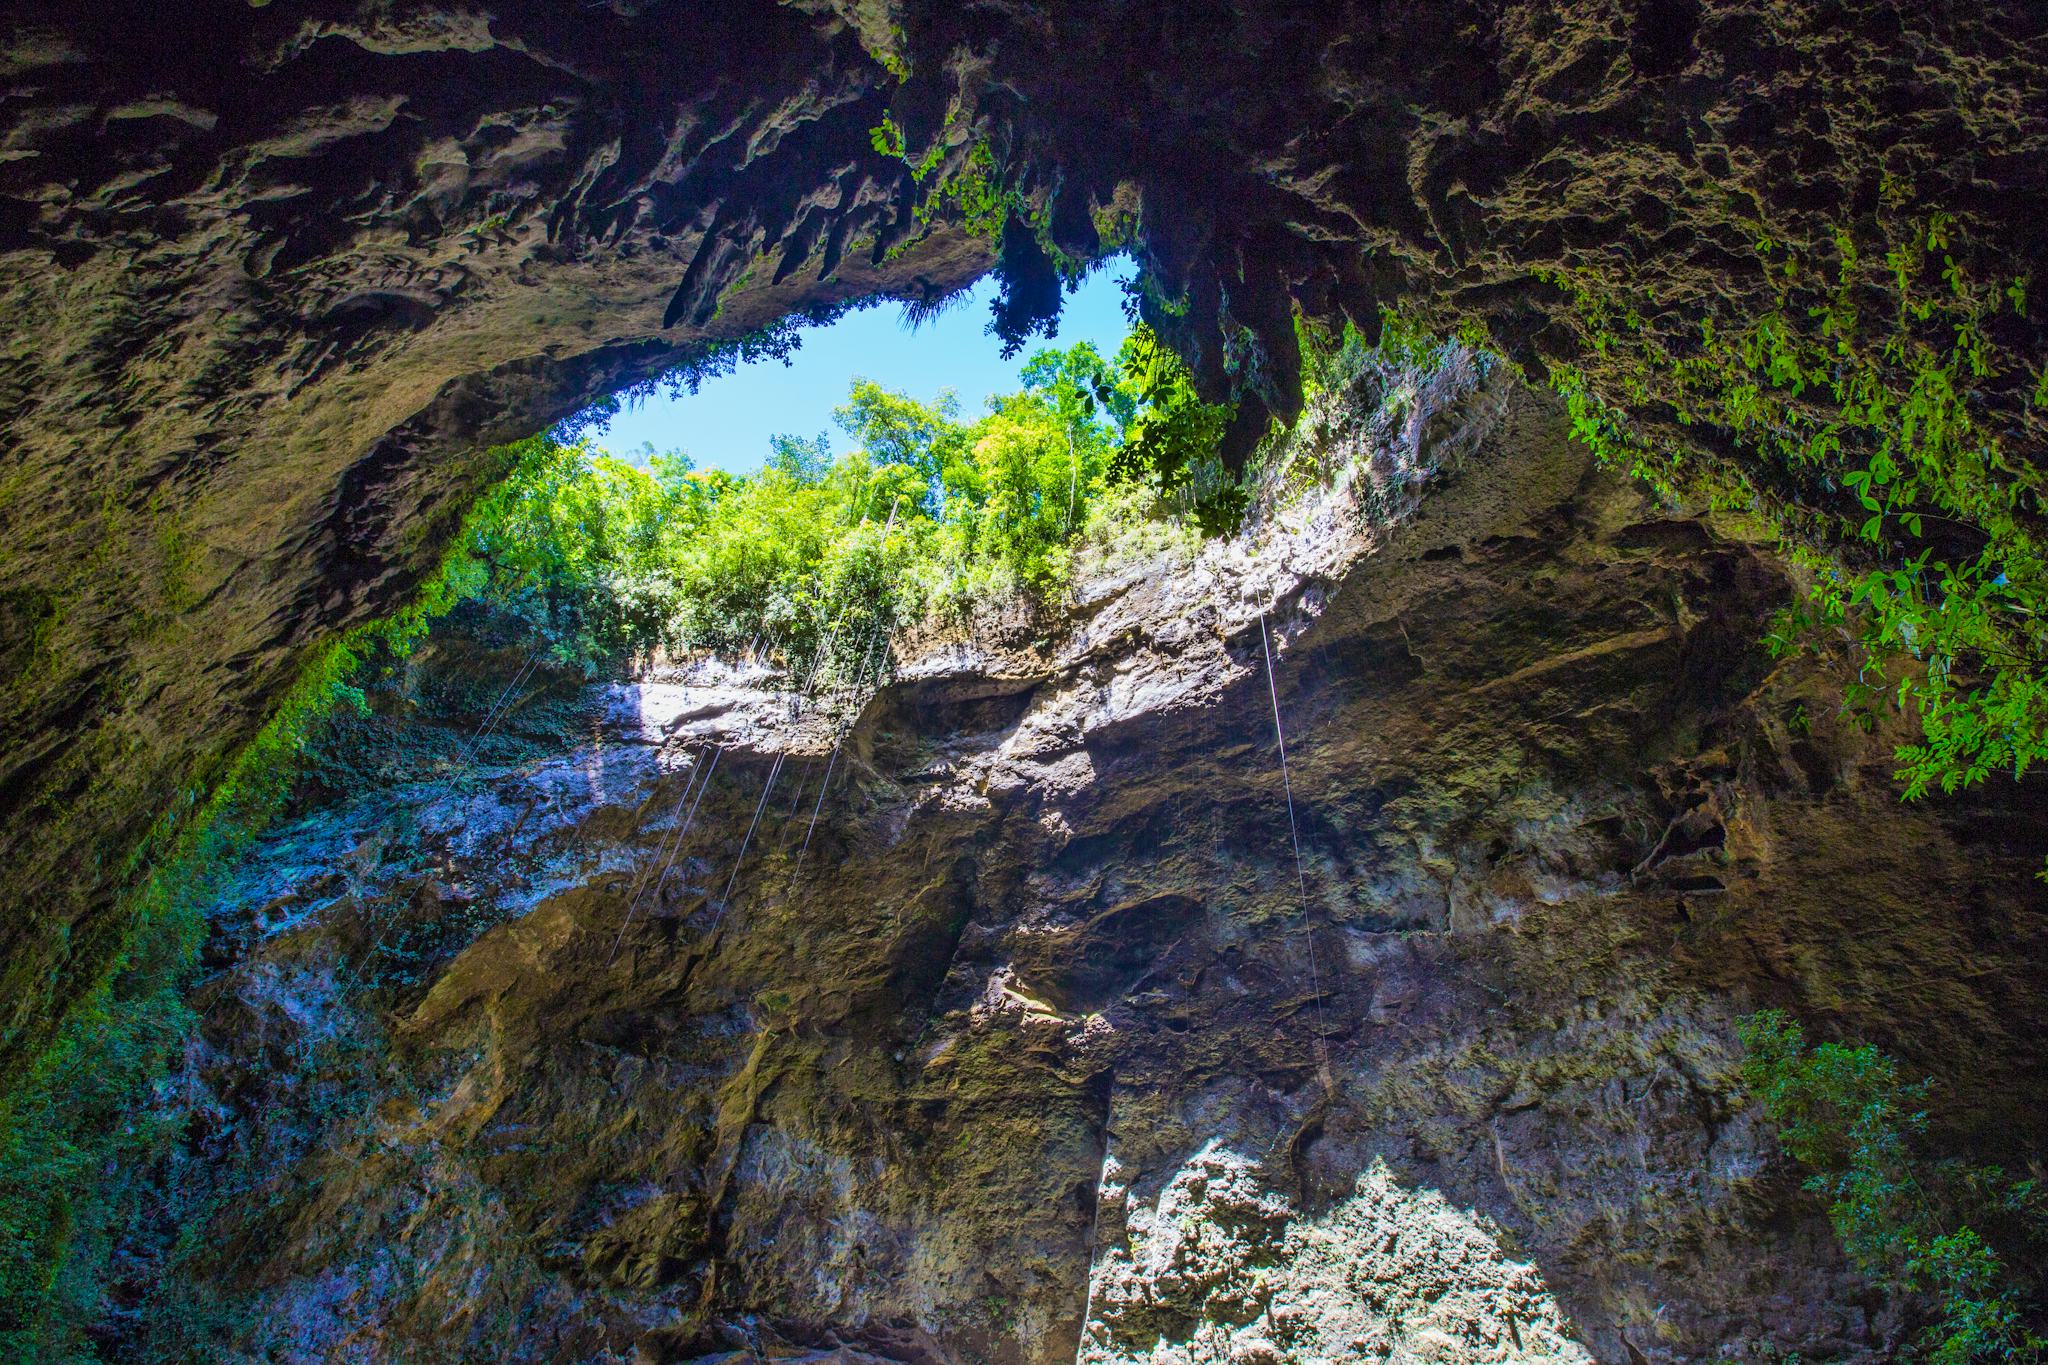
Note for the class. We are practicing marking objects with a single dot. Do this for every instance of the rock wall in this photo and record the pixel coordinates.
(1041, 1046)
(276, 278)
(276, 274)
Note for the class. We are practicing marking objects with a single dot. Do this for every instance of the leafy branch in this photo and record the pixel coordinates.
(1845, 1115)
(1856, 406)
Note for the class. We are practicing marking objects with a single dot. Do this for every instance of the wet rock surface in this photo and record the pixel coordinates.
(1044, 1047)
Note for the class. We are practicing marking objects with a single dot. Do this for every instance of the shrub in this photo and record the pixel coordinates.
(1846, 1116)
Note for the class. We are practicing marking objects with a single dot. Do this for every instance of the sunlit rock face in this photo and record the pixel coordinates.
(1041, 1046)
(274, 275)
(1224, 1270)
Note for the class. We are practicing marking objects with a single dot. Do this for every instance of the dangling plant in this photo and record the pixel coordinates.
(1864, 443)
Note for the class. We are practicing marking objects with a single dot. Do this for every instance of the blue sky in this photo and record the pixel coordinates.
(726, 424)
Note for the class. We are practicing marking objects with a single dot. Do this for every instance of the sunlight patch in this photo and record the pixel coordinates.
(1224, 1272)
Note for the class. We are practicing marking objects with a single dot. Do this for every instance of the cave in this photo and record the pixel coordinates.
(1358, 937)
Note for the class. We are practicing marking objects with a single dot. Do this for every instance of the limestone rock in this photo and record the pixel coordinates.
(1043, 1049)
(276, 275)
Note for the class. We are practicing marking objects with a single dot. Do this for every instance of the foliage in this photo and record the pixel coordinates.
(1407, 355)
(931, 514)
(1173, 439)
(1366, 413)
(986, 197)
(1857, 405)
(976, 191)
(1847, 1117)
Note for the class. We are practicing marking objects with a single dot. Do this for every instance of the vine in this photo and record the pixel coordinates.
(977, 191)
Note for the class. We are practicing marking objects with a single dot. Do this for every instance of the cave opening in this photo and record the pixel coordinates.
(603, 683)
(479, 894)
(693, 516)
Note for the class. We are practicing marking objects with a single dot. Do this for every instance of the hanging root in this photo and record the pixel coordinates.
(463, 768)
(725, 897)
(661, 846)
(1300, 876)
(859, 681)
(495, 717)
(796, 798)
(673, 848)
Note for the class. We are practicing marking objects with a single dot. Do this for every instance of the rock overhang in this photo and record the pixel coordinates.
(277, 276)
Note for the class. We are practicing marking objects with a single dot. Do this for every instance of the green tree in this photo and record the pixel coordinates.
(893, 428)
(1173, 435)
(1911, 1223)
(803, 461)
(605, 559)
(1078, 384)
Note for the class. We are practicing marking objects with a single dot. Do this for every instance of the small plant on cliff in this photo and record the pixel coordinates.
(1914, 1224)
(1368, 411)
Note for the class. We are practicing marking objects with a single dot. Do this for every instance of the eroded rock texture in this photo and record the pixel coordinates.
(275, 283)
(275, 275)
(1044, 1046)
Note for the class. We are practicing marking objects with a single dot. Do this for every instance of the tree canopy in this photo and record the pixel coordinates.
(930, 512)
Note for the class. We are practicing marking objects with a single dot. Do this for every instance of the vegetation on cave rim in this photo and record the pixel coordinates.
(1862, 418)
(960, 177)
(1866, 424)
(976, 191)
(929, 518)
(1962, 1235)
